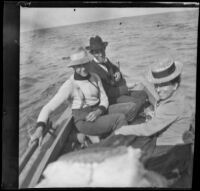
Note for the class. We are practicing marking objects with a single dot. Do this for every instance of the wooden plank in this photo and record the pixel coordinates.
(29, 152)
(49, 149)
(37, 158)
(152, 95)
(51, 154)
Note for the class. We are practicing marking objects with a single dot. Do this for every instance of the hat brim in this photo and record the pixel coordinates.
(104, 45)
(176, 73)
(80, 61)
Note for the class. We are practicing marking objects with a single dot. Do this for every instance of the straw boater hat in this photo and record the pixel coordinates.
(164, 71)
(80, 56)
(96, 43)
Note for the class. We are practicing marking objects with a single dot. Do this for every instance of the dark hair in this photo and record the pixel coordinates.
(99, 50)
(176, 80)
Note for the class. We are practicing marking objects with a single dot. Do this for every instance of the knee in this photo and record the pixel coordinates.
(79, 127)
(143, 96)
(139, 95)
(120, 121)
(131, 106)
(121, 118)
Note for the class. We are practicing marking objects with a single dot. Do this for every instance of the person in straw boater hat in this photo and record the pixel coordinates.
(171, 116)
(112, 79)
(90, 107)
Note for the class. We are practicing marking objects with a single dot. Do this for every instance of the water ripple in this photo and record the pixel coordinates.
(136, 43)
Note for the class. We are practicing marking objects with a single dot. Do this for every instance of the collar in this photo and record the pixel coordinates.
(106, 59)
(178, 94)
(79, 77)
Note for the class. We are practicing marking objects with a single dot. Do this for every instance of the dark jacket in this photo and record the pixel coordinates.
(112, 88)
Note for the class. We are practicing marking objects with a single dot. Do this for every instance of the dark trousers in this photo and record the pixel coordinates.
(138, 98)
(117, 116)
(121, 94)
(175, 163)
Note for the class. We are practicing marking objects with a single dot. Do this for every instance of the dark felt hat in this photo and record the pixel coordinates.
(96, 43)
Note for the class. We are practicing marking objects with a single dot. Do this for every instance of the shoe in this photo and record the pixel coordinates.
(94, 139)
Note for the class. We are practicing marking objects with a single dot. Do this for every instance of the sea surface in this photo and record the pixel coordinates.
(136, 42)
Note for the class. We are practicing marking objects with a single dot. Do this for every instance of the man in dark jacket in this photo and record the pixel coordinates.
(112, 79)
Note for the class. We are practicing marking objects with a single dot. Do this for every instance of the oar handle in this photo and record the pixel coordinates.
(24, 159)
(32, 147)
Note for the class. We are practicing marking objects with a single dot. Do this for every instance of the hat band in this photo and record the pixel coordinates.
(164, 73)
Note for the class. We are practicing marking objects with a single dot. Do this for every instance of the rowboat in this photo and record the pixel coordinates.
(57, 138)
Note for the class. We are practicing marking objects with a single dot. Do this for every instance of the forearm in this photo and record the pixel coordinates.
(103, 109)
(146, 129)
(62, 95)
(99, 111)
(50, 108)
(165, 116)
(157, 125)
(44, 114)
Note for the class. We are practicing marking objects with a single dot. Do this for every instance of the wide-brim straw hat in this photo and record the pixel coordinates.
(164, 71)
(96, 43)
(79, 57)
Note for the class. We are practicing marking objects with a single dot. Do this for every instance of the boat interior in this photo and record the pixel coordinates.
(59, 138)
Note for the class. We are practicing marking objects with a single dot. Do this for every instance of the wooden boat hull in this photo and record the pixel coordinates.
(48, 152)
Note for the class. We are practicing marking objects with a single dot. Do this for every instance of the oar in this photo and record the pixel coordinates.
(32, 147)
(26, 156)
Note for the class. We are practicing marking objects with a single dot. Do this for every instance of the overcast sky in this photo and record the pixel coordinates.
(37, 18)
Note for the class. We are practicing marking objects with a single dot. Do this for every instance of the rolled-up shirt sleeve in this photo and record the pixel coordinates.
(165, 116)
(62, 95)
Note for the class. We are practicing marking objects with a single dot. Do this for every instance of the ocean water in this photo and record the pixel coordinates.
(136, 42)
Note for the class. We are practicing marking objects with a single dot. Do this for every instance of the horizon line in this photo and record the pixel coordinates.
(58, 26)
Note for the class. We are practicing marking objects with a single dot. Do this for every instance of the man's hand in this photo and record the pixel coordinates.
(37, 135)
(139, 86)
(149, 113)
(92, 116)
(135, 86)
(117, 76)
(131, 86)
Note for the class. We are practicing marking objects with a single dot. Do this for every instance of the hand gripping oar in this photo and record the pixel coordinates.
(32, 147)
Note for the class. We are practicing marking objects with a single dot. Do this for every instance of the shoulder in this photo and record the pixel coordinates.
(108, 61)
(69, 83)
(178, 101)
(185, 106)
(92, 63)
(95, 76)
(93, 66)
(174, 106)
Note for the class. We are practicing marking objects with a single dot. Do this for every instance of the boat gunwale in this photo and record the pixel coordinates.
(31, 179)
(47, 152)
